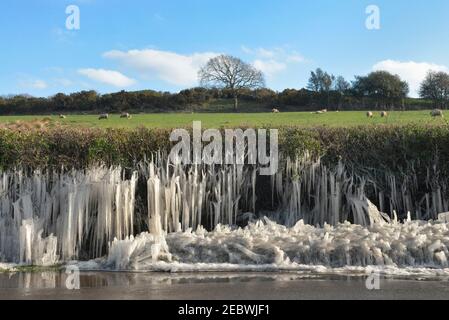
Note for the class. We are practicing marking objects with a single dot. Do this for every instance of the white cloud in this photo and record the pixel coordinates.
(262, 52)
(272, 61)
(34, 84)
(170, 67)
(412, 72)
(269, 67)
(109, 77)
(39, 84)
(296, 58)
(64, 82)
(265, 53)
(247, 50)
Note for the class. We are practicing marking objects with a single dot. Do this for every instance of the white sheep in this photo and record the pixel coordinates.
(61, 116)
(275, 110)
(125, 115)
(369, 114)
(384, 114)
(437, 113)
(103, 116)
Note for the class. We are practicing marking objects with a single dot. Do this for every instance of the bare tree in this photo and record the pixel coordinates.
(230, 73)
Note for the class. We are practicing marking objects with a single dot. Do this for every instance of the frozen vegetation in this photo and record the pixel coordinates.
(267, 246)
(175, 218)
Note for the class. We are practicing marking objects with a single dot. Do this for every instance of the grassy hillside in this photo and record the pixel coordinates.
(216, 120)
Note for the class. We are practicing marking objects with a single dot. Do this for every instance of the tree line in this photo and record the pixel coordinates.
(229, 78)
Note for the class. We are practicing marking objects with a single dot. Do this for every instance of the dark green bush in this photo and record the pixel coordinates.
(386, 148)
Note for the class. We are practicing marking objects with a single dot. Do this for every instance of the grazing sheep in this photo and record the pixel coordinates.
(125, 115)
(370, 114)
(320, 112)
(61, 116)
(384, 114)
(275, 110)
(103, 116)
(437, 113)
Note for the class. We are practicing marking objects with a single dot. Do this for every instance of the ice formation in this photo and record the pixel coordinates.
(51, 217)
(100, 213)
(266, 245)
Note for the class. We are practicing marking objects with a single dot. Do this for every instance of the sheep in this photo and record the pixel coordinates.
(384, 114)
(61, 116)
(369, 114)
(125, 115)
(437, 113)
(103, 116)
(320, 112)
(275, 110)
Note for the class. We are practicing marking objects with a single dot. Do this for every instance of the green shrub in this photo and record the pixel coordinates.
(387, 148)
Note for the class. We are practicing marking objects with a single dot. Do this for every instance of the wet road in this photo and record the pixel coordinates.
(211, 286)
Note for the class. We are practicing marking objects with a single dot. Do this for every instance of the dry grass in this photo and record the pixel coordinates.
(29, 125)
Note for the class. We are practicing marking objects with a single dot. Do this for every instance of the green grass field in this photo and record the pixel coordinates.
(216, 120)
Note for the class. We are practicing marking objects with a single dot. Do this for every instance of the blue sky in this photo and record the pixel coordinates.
(160, 44)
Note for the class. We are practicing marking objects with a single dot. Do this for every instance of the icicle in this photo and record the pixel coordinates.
(51, 216)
